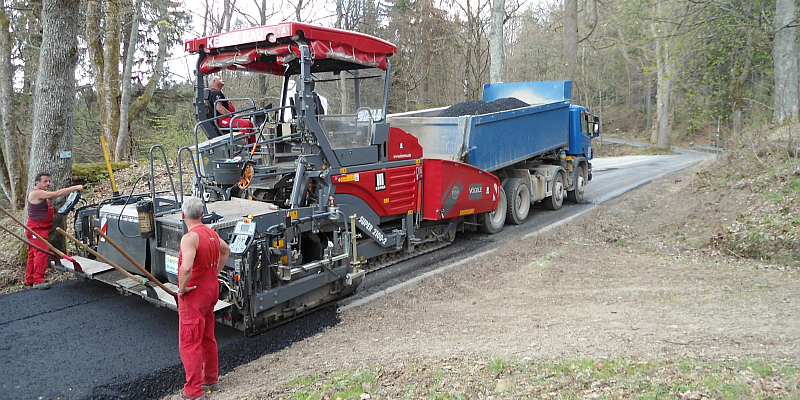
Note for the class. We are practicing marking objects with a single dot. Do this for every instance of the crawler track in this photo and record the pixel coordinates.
(380, 262)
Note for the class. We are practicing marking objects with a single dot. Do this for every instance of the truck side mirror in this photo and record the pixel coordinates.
(596, 127)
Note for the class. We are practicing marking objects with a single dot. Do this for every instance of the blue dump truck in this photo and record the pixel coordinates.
(316, 193)
(541, 151)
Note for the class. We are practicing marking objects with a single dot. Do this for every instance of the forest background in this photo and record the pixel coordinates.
(75, 71)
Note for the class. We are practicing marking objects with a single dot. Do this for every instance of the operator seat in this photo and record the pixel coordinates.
(209, 127)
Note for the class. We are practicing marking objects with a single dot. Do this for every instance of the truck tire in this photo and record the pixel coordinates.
(492, 222)
(576, 195)
(555, 201)
(519, 201)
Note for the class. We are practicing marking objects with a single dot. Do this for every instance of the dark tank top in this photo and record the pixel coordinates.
(38, 212)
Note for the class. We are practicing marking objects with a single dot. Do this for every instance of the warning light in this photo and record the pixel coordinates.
(237, 278)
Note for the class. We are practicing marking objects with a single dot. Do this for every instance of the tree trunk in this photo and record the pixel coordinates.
(664, 71)
(104, 56)
(229, 5)
(663, 131)
(6, 98)
(29, 48)
(263, 90)
(297, 9)
(496, 53)
(785, 58)
(569, 45)
(648, 103)
(54, 97)
(94, 37)
(111, 80)
(122, 149)
(206, 17)
(125, 104)
(13, 171)
(739, 78)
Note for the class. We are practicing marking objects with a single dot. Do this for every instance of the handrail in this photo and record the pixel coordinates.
(152, 178)
(252, 103)
(233, 114)
(194, 167)
(238, 113)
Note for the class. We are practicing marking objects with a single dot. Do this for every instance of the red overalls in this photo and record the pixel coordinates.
(37, 260)
(196, 341)
(239, 124)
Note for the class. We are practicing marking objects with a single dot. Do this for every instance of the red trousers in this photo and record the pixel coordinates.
(37, 260)
(196, 341)
(245, 126)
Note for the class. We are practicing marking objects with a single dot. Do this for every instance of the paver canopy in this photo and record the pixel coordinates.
(271, 49)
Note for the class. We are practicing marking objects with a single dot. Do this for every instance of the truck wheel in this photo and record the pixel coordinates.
(576, 196)
(555, 201)
(492, 222)
(519, 201)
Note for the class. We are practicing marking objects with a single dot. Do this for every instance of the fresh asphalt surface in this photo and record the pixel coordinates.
(83, 340)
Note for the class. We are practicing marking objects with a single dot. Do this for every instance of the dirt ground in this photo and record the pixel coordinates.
(633, 277)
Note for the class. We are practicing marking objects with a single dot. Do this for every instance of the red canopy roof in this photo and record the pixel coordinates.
(261, 49)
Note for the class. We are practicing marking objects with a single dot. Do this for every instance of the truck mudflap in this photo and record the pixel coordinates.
(100, 271)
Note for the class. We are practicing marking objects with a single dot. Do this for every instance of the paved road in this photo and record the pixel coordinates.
(611, 178)
(83, 340)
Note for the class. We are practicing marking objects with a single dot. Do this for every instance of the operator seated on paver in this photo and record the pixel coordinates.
(222, 107)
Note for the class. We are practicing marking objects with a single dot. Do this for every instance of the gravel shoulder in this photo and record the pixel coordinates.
(634, 277)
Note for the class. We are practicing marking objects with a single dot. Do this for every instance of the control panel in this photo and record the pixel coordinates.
(72, 200)
(243, 236)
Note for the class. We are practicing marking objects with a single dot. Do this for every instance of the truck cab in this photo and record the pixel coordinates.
(583, 127)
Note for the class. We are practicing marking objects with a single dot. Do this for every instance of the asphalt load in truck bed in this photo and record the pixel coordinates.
(480, 107)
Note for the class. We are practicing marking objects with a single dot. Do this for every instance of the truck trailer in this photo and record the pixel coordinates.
(327, 187)
(540, 152)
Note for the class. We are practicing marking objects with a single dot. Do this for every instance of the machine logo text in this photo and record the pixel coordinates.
(380, 181)
(475, 191)
(372, 229)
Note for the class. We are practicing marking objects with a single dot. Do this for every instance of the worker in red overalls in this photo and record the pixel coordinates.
(40, 220)
(203, 255)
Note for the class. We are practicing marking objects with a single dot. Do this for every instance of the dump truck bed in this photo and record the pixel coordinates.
(496, 140)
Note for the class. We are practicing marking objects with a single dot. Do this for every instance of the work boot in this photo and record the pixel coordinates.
(42, 286)
(183, 397)
(211, 388)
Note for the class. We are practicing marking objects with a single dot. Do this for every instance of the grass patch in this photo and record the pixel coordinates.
(340, 385)
(768, 230)
(605, 379)
(556, 254)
